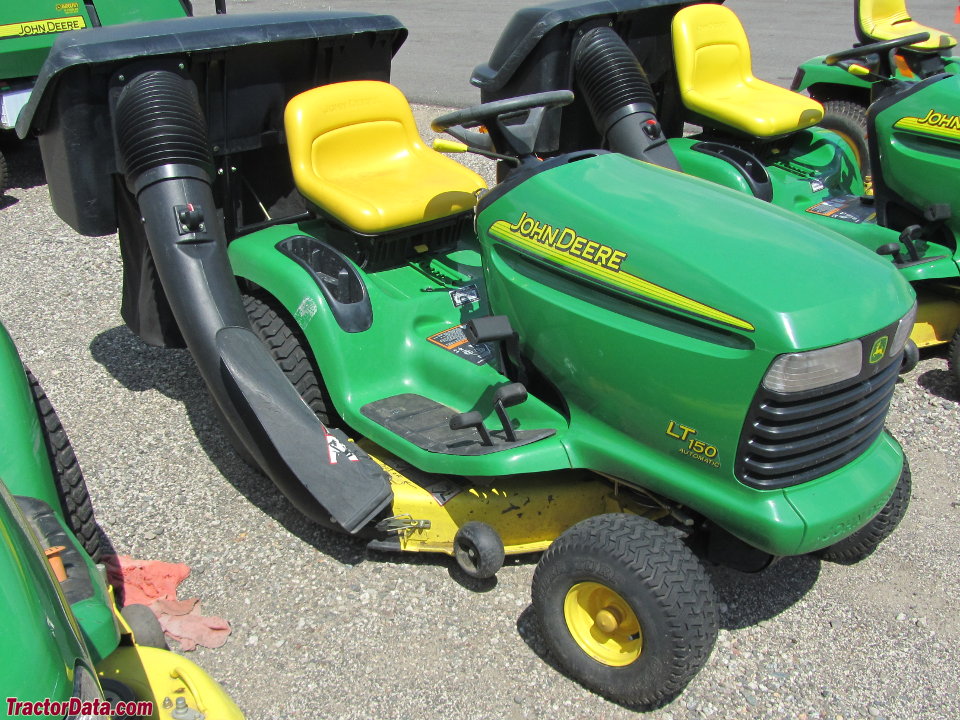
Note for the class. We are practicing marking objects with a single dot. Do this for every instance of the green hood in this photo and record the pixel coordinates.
(698, 250)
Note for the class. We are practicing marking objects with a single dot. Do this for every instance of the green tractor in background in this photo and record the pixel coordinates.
(64, 638)
(892, 46)
(571, 362)
(641, 69)
(28, 29)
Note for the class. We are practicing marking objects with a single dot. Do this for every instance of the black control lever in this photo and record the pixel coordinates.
(891, 249)
(475, 420)
(508, 396)
(909, 238)
(497, 328)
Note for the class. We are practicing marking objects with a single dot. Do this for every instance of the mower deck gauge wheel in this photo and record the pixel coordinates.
(478, 550)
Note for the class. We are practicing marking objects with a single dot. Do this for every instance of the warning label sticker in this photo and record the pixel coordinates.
(42, 27)
(454, 340)
(848, 208)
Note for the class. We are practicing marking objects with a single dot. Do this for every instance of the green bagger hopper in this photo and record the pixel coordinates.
(605, 376)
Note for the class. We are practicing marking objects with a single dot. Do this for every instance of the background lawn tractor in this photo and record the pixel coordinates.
(550, 365)
(28, 29)
(641, 69)
(891, 45)
(63, 635)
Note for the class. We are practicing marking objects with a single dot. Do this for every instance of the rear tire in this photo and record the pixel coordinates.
(3, 174)
(626, 608)
(283, 338)
(848, 119)
(67, 476)
(863, 542)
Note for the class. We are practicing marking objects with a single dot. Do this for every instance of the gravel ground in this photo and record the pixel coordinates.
(322, 628)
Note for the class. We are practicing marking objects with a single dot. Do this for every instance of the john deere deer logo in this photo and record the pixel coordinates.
(878, 350)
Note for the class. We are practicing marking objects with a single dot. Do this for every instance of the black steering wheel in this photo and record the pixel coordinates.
(516, 139)
(877, 47)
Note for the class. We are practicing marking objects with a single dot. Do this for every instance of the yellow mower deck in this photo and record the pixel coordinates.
(529, 512)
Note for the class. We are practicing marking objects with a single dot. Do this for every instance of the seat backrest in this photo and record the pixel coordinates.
(346, 130)
(887, 19)
(710, 48)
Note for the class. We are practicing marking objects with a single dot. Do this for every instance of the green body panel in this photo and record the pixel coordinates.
(394, 356)
(824, 81)
(116, 12)
(920, 141)
(24, 466)
(39, 645)
(829, 82)
(25, 470)
(22, 51)
(629, 367)
(817, 165)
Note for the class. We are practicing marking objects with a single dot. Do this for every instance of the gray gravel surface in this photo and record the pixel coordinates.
(324, 629)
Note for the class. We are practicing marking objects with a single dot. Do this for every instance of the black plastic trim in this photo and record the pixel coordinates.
(791, 438)
(51, 533)
(746, 163)
(345, 292)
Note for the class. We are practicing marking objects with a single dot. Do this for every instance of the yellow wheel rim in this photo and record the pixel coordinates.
(603, 624)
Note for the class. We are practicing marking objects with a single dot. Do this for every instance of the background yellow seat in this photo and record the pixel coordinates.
(889, 19)
(716, 78)
(356, 153)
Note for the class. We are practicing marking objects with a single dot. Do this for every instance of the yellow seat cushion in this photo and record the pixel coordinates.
(716, 78)
(889, 19)
(356, 153)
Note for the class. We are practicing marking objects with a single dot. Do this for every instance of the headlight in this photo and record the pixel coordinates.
(903, 331)
(86, 690)
(795, 372)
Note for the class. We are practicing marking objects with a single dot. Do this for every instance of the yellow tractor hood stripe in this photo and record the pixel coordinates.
(950, 127)
(616, 278)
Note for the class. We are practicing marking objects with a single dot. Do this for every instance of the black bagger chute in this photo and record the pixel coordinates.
(172, 132)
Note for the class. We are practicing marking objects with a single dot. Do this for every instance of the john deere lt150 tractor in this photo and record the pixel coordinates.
(590, 359)
(65, 650)
(641, 69)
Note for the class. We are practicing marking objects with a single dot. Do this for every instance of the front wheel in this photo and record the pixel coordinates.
(626, 608)
(848, 119)
(861, 544)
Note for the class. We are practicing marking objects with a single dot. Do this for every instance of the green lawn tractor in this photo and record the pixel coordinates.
(891, 45)
(28, 29)
(65, 650)
(641, 69)
(605, 376)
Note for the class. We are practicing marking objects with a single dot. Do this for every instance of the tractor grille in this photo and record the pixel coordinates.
(790, 438)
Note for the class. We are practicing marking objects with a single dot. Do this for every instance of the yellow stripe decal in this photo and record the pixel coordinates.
(615, 278)
(42, 27)
(935, 123)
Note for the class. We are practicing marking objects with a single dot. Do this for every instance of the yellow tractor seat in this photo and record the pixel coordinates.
(879, 20)
(716, 80)
(356, 153)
